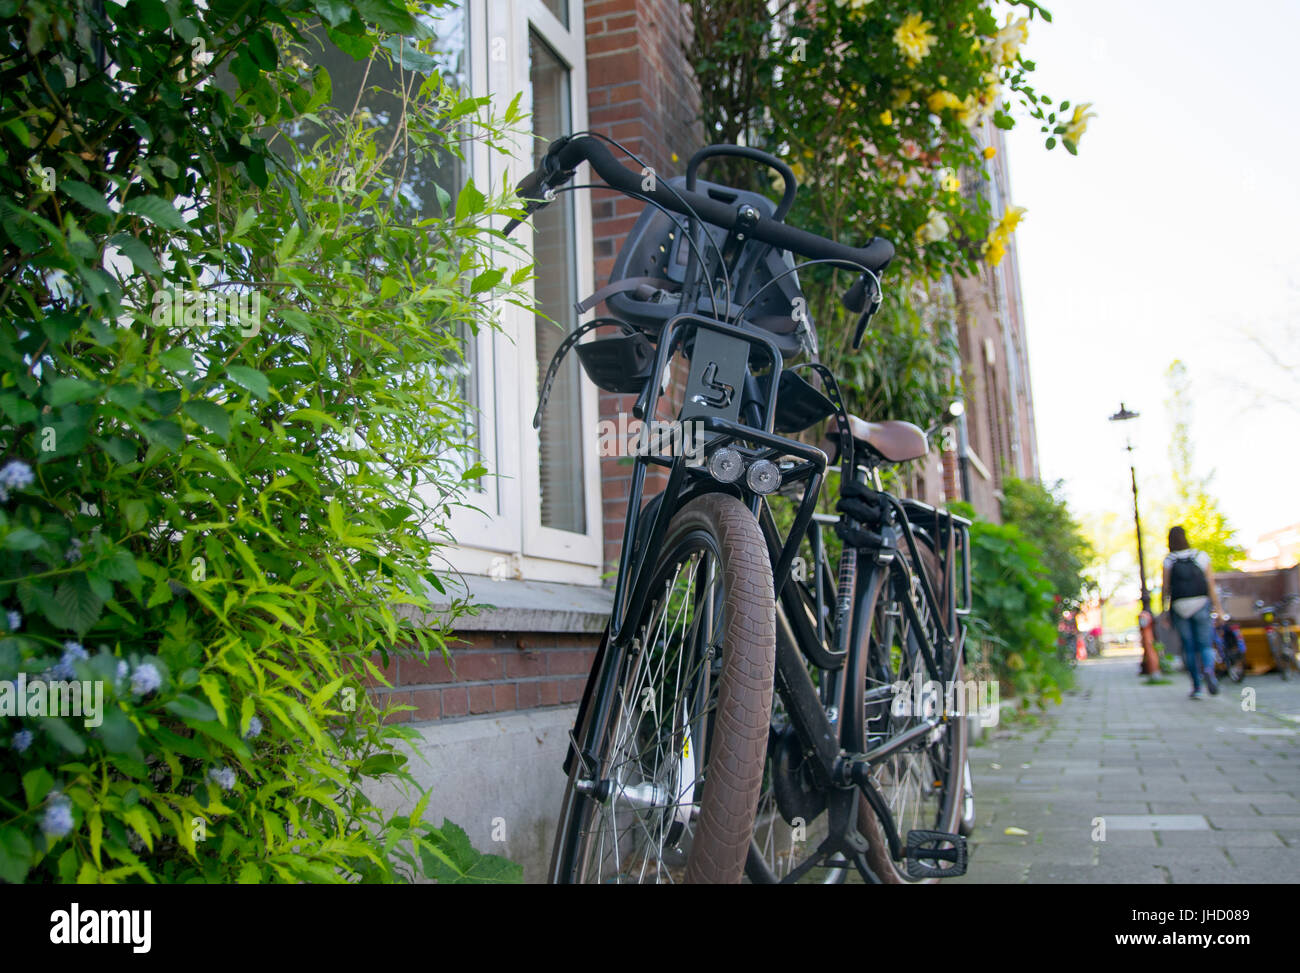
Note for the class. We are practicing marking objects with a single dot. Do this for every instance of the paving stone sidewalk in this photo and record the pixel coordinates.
(1186, 790)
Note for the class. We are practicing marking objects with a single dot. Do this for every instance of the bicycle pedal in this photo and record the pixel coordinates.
(926, 849)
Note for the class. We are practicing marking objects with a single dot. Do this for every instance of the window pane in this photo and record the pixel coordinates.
(561, 10)
(563, 505)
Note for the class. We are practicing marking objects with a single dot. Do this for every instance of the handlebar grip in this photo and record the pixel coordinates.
(876, 255)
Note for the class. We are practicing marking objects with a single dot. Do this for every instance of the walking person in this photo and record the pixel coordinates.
(1189, 591)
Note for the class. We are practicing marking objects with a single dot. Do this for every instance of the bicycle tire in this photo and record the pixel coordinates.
(1277, 647)
(952, 746)
(703, 835)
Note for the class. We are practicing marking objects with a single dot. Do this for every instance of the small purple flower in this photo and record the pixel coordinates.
(16, 475)
(15, 620)
(254, 728)
(22, 740)
(145, 679)
(223, 777)
(73, 652)
(73, 553)
(57, 821)
(123, 670)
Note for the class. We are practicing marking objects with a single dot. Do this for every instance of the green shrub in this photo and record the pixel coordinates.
(1011, 622)
(224, 524)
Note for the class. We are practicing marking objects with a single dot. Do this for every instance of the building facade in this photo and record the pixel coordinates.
(492, 727)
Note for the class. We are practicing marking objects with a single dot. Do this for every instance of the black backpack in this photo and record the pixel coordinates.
(1186, 579)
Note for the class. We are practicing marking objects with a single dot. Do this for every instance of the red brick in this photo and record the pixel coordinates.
(455, 701)
(548, 693)
(477, 666)
(571, 690)
(503, 697)
(428, 705)
(525, 664)
(529, 695)
(570, 663)
(480, 699)
(418, 672)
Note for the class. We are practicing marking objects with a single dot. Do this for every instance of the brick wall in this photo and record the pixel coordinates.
(642, 93)
(491, 672)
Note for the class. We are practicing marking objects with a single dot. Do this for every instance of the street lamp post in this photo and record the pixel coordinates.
(1150, 664)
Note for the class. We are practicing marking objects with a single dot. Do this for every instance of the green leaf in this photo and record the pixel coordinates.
(117, 731)
(177, 359)
(75, 605)
(164, 432)
(263, 50)
(138, 253)
(210, 416)
(334, 12)
(63, 391)
(119, 566)
(453, 860)
(486, 281)
(36, 784)
(15, 855)
(470, 201)
(64, 735)
(156, 210)
(22, 539)
(136, 513)
(88, 197)
(189, 708)
(250, 379)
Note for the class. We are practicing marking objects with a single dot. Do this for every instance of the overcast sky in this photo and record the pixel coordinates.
(1177, 226)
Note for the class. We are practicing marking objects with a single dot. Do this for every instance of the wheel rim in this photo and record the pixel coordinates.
(655, 769)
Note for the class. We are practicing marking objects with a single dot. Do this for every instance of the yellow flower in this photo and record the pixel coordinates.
(989, 151)
(941, 100)
(1011, 218)
(901, 97)
(1079, 123)
(887, 118)
(1006, 44)
(949, 182)
(913, 38)
(995, 248)
(969, 112)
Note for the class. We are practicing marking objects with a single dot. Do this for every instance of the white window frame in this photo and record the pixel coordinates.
(508, 538)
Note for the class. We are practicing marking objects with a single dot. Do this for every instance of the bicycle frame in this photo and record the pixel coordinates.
(723, 395)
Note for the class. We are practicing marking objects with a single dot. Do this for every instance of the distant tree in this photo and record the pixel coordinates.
(1193, 505)
(1045, 519)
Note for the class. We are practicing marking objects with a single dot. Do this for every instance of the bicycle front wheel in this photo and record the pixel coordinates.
(678, 763)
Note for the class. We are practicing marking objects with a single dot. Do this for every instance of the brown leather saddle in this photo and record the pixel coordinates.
(894, 440)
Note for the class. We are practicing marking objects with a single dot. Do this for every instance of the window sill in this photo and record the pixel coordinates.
(510, 605)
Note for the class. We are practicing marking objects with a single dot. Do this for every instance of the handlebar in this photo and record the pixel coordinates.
(564, 155)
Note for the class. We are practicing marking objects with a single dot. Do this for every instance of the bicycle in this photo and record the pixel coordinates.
(1280, 637)
(745, 717)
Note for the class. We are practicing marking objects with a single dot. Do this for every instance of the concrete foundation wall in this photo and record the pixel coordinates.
(499, 773)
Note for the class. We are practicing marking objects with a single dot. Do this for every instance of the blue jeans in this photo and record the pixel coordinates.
(1197, 637)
